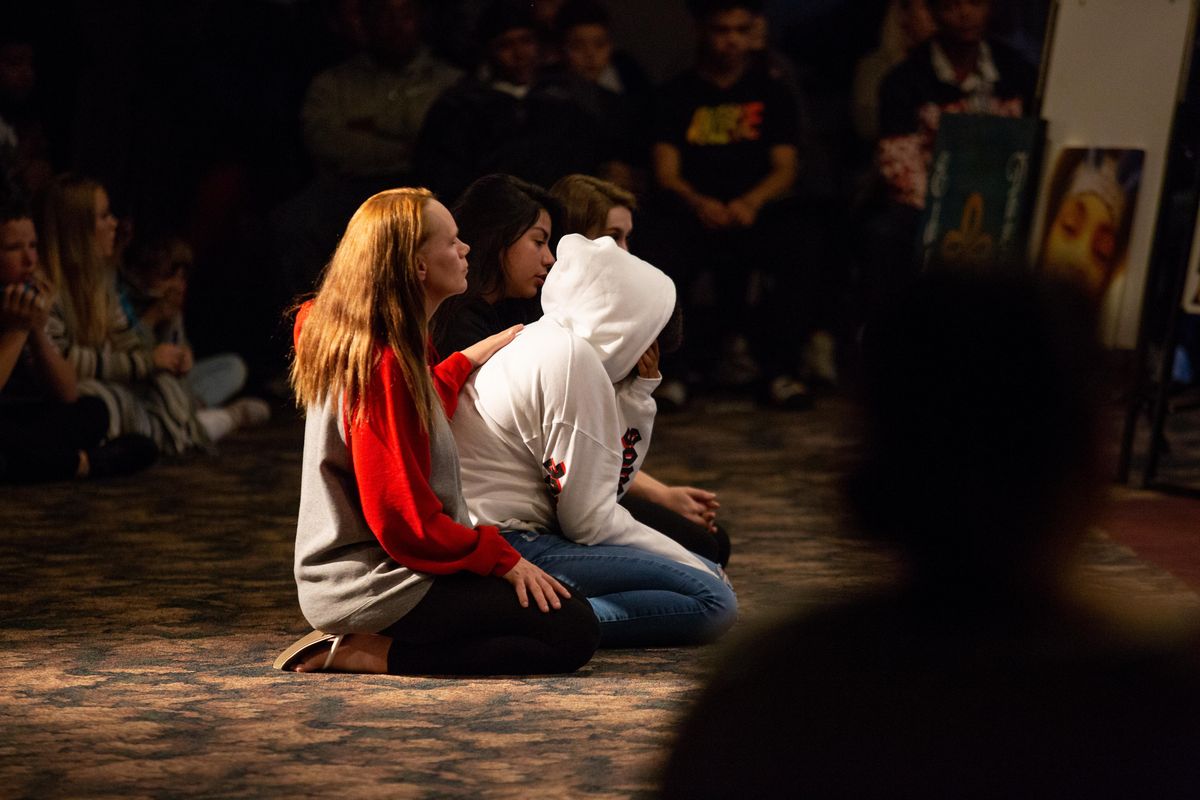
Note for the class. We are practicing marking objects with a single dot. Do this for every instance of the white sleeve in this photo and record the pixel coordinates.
(581, 468)
(635, 414)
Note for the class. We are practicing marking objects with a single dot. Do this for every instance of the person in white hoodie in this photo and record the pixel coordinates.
(553, 428)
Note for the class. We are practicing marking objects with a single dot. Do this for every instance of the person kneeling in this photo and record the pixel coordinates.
(386, 570)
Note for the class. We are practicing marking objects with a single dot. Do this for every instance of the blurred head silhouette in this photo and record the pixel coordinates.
(982, 423)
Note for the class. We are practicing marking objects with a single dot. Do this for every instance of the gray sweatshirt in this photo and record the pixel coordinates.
(346, 582)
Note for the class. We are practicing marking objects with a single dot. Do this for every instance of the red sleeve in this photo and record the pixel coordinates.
(448, 379)
(390, 455)
(301, 315)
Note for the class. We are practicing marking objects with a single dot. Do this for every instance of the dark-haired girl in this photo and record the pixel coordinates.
(509, 224)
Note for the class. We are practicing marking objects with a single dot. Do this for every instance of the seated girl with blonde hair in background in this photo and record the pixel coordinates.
(47, 431)
(140, 386)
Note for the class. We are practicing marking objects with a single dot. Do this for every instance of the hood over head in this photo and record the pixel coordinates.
(612, 299)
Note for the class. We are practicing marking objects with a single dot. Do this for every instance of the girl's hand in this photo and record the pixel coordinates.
(187, 359)
(697, 505)
(647, 365)
(712, 213)
(529, 580)
(169, 357)
(742, 213)
(481, 351)
(22, 308)
(39, 312)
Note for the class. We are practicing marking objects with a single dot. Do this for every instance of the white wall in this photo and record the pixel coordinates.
(1113, 77)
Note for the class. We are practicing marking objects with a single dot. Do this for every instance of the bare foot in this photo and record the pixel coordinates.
(359, 652)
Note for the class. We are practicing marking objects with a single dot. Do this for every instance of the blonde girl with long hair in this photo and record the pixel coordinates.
(389, 570)
(140, 386)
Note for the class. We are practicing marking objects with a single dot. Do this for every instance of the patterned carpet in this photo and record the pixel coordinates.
(141, 616)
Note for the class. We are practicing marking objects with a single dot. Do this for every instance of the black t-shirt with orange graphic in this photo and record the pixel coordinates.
(725, 136)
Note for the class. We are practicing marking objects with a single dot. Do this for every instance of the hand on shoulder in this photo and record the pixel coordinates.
(479, 353)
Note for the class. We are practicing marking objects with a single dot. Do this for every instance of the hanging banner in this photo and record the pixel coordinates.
(1191, 290)
(977, 205)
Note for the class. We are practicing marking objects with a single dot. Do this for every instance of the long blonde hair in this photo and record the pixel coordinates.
(84, 277)
(369, 295)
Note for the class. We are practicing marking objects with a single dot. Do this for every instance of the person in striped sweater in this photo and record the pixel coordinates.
(47, 430)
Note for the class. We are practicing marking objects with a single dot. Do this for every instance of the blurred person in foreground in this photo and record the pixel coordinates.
(985, 670)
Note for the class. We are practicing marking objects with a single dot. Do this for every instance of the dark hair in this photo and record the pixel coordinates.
(159, 256)
(703, 9)
(670, 338)
(503, 16)
(14, 206)
(16, 27)
(370, 9)
(981, 420)
(492, 214)
(582, 12)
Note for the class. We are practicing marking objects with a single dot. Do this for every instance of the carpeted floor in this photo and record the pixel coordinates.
(141, 616)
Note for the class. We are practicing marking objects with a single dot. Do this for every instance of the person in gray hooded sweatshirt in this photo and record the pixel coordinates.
(553, 428)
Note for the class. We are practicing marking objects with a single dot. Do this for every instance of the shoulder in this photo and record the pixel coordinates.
(916, 68)
(682, 86)
(772, 87)
(1006, 55)
(387, 374)
(468, 92)
(633, 75)
(476, 313)
(389, 401)
(1014, 70)
(352, 69)
(301, 316)
(438, 69)
(552, 357)
(465, 325)
(547, 342)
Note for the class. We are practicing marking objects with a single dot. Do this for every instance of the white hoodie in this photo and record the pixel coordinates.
(543, 427)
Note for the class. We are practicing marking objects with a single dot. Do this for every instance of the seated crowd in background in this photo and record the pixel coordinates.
(550, 131)
(713, 161)
(98, 376)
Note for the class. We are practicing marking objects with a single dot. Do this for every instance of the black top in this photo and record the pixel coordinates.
(465, 325)
(473, 129)
(24, 385)
(725, 136)
(914, 84)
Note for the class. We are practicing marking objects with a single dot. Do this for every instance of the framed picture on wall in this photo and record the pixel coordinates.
(1089, 214)
(1191, 288)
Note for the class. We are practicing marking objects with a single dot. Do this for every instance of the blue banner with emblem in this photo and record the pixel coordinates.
(981, 192)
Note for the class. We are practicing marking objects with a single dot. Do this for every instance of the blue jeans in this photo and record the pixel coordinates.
(216, 379)
(641, 599)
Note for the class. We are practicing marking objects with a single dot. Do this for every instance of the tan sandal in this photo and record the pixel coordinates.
(306, 643)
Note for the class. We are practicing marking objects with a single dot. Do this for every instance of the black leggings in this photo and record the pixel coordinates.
(471, 625)
(713, 545)
(41, 442)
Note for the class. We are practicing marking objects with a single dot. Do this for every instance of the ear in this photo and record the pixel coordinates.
(422, 272)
